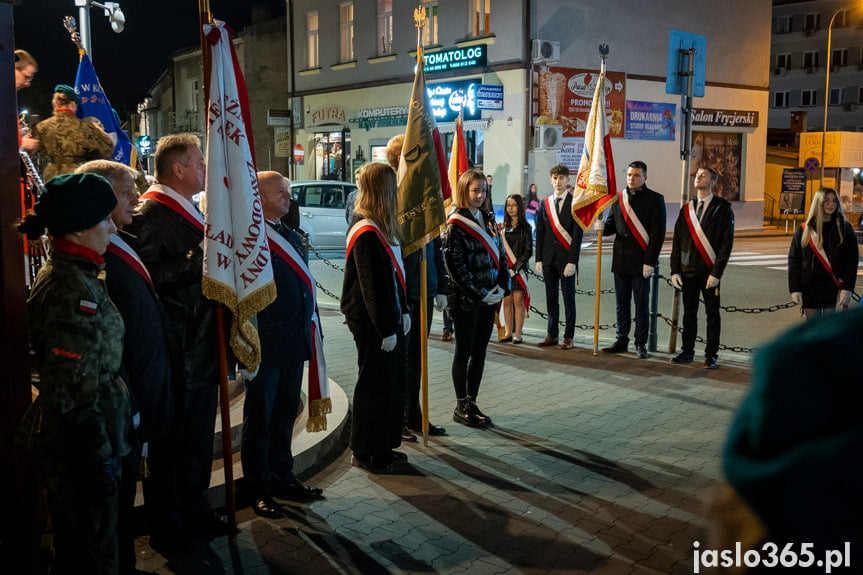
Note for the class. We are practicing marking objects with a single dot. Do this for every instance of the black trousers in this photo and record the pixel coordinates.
(195, 448)
(637, 289)
(473, 327)
(377, 419)
(556, 282)
(160, 487)
(693, 286)
(125, 524)
(413, 375)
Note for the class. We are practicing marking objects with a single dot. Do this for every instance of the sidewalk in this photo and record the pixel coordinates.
(595, 465)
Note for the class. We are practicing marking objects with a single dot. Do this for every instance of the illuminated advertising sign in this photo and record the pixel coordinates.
(455, 59)
(447, 99)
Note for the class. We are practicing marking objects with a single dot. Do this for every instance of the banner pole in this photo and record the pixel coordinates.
(424, 365)
(598, 284)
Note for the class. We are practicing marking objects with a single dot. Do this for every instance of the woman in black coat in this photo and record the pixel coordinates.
(374, 303)
(822, 261)
(518, 244)
(479, 279)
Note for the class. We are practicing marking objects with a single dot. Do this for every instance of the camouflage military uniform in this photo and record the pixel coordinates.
(69, 142)
(82, 417)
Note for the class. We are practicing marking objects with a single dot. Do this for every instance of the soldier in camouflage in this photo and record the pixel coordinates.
(68, 141)
(81, 423)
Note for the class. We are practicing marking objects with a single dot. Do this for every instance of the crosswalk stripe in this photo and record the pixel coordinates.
(773, 262)
(755, 257)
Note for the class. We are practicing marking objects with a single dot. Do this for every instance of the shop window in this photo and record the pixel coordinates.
(780, 99)
(346, 27)
(782, 25)
(837, 96)
(430, 29)
(385, 27)
(808, 98)
(481, 17)
(723, 153)
(312, 56)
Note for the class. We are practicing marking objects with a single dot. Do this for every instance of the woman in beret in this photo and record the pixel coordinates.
(81, 423)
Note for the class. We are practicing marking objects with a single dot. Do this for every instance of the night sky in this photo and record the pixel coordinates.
(128, 63)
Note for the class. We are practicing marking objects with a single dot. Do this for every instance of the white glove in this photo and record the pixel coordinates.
(406, 322)
(797, 297)
(843, 300)
(677, 281)
(712, 282)
(389, 343)
(598, 225)
(646, 271)
(569, 270)
(511, 273)
(494, 296)
(538, 268)
(440, 302)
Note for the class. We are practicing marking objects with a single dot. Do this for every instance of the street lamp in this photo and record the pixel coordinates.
(112, 12)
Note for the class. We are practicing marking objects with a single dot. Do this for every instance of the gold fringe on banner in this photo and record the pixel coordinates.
(318, 410)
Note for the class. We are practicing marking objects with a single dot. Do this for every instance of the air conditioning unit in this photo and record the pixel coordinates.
(545, 51)
(548, 137)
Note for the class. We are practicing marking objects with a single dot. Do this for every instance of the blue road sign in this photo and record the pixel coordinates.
(811, 164)
(677, 64)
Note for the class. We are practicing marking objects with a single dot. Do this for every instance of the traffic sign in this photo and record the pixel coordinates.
(299, 153)
(811, 164)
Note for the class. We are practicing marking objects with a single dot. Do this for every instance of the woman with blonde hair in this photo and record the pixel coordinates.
(479, 279)
(822, 260)
(518, 244)
(374, 304)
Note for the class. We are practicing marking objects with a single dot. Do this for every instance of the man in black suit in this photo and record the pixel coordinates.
(703, 238)
(558, 245)
(638, 220)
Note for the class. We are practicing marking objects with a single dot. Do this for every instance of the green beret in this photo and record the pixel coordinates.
(68, 91)
(75, 202)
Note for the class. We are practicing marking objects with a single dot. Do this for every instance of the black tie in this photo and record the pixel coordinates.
(700, 210)
(557, 204)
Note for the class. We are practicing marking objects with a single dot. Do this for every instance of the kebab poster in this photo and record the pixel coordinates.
(563, 96)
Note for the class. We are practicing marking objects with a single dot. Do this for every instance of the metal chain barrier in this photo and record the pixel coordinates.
(326, 291)
(736, 349)
(325, 260)
(582, 326)
(577, 291)
(734, 308)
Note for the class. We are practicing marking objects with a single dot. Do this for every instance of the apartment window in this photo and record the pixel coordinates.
(481, 17)
(430, 30)
(346, 27)
(841, 20)
(193, 93)
(385, 27)
(808, 98)
(780, 99)
(312, 44)
(839, 57)
(812, 21)
(837, 96)
(782, 25)
(860, 95)
(810, 59)
(783, 60)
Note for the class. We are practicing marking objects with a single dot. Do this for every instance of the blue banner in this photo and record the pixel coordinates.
(95, 104)
(650, 121)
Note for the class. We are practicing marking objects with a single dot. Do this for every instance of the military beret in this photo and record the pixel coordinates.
(75, 202)
(68, 91)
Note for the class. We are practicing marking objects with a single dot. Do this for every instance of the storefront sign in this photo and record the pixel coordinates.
(792, 198)
(842, 149)
(447, 99)
(570, 153)
(725, 118)
(650, 121)
(327, 116)
(278, 117)
(566, 95)
(489, 97)
(455, 59)
(381, 117)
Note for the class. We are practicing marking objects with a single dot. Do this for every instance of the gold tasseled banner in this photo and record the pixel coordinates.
(318, 410)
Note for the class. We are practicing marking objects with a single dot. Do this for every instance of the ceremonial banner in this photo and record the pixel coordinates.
(95, 104)
(458, 157)
(237, 269)
(421, 198)
(594, 184)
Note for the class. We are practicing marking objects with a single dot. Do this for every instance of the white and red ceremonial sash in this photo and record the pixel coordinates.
(168, 197)
(561, 233)
(471, 226)
(698, 236)
(395, 252)
(635, 225)
(822, 255)
(124, 251)
(520, 277)
(319, 385)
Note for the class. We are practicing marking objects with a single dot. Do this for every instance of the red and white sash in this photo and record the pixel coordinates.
(168, 197)
(471, 226)
(822, 255)
(124, 251)
(319, 384)
(635, 225)
(395, 252)
(520, 277)
(561, 233)
(698, 236)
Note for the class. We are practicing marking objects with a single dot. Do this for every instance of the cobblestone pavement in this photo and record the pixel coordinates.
(595, 465)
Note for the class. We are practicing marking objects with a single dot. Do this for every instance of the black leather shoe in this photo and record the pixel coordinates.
(408, 435)
(398, 456)
(710, 362)
(482, 418)
(465, 415)
(620, 346)
(433, 429)
(296, 491)
(683, 357)
(211, 523)
(641, 351)
(266, 507)
(378, 464)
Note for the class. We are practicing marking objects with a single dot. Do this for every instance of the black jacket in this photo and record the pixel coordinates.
(469, 266)
(629, 257)
(718, 225)
(146, 361)
(549, 250)
(436, 280)
(170, 247)
(521, 244)
(841, 253)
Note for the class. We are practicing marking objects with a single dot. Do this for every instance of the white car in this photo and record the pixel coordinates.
(322, 211)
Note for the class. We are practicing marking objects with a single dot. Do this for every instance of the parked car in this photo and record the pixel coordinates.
(322, 211)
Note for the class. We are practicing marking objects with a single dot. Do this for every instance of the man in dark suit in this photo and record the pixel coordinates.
(638, 220)
(558, 245)
(703, 238)
(273, 396)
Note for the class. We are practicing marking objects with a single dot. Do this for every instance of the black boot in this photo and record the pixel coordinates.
(481, 418)
(463, 414)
